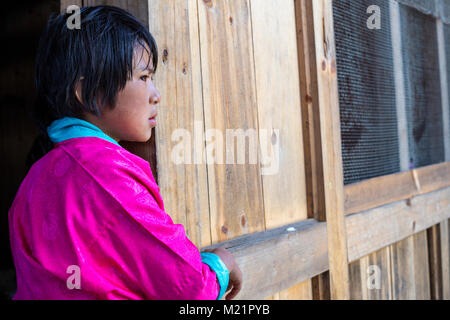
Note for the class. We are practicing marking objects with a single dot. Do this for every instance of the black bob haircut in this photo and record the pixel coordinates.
(101, 52)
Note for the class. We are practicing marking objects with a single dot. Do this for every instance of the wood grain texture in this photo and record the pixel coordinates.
(228, 78)
(373, 229)
(279, 118)
(421, 267)
(445, 258)
(435, 263)
(355, 279)
(403, 185)
(305, 250)
(311, 127)
(331, 147)
(410, 268)
(445, 97)
(183, 185)
(376, 275)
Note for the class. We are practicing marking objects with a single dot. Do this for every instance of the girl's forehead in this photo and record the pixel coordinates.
(142, 58)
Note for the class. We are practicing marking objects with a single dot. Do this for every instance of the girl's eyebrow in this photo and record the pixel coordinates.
(151, 70)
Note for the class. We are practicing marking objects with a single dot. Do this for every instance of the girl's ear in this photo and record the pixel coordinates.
(78, 90)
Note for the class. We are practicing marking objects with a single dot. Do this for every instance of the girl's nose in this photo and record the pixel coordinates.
(155, 98)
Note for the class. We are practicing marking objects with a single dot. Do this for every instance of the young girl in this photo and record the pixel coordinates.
(88, 221)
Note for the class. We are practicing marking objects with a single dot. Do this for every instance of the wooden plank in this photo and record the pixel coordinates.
(376, 228)
(402, 124)
(445, 98)
(228, 77)
(311, 127)
(370, 276)
(183, 185)
(140, 9)
(421, 267)
(434, 259)
(284, 186)
(378, 265)
(278, 97)
(331, 147)
(309, 109)
(445, 258)
(395, 187)
(410, 268)
(289, 257)
(303, 251)
(444, 225)
(356, 284)
(402, 269)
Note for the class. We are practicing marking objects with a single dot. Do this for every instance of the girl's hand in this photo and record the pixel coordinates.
(235, 282)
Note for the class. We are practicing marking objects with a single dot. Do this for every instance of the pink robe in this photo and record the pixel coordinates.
(91, 204)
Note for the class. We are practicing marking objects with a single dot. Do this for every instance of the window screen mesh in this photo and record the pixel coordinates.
(366, 91)
(447, 54)
(436, 8)
(422, 87)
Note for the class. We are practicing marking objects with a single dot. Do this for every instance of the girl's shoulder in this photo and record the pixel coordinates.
(110, 165)
(98, 154)
(115, 170)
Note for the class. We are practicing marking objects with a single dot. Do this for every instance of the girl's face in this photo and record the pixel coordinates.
(135, 105)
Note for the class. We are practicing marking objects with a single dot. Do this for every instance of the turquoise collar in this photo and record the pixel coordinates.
(70, 127)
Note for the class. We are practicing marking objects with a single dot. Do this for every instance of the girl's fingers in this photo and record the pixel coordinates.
(231, 295)
(234, 292)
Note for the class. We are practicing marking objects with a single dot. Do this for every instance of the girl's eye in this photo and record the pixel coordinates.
(144, 78)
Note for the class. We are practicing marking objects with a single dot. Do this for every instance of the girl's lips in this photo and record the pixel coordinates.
(152, 121)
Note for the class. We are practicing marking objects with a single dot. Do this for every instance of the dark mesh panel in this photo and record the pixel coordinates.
(447, 54)
(445, 12)
(437, 8)
(366, 91)
(425, 6)
(422, 87)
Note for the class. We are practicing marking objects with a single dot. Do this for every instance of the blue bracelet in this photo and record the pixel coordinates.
(217, 265)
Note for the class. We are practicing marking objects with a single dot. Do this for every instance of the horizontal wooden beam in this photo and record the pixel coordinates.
(383, 190)
(373, 229)
(274, 260)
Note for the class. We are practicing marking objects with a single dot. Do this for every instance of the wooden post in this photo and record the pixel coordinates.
(311, 128)
(444, 87)
(443, 226)
(331, 148)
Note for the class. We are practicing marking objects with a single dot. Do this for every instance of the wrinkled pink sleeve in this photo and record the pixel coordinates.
(130, 241)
